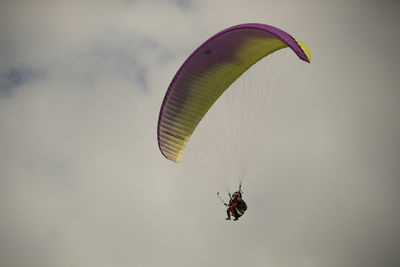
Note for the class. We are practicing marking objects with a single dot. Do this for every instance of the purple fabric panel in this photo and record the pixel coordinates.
(216, 50)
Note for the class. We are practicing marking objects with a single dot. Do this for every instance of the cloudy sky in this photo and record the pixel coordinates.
(82, 182)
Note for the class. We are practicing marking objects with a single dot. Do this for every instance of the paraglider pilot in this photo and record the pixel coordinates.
(236, 206)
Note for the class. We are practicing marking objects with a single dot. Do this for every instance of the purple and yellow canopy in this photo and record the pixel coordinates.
(208, 72)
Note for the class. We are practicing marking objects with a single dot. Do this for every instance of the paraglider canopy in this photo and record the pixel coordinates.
(208, 72)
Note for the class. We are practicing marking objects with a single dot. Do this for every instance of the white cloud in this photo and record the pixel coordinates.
(82, 181)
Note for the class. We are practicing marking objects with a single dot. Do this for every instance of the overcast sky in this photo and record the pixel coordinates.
(82, 182)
